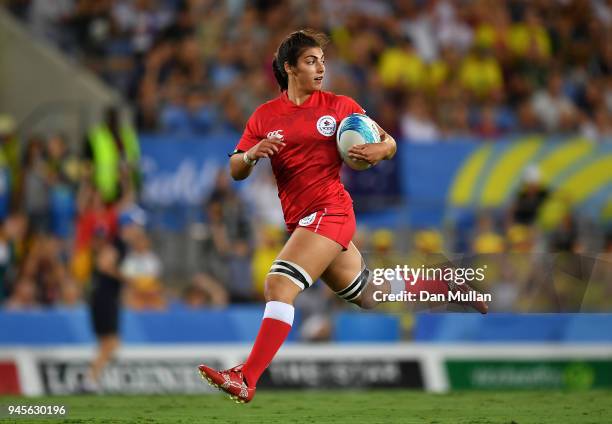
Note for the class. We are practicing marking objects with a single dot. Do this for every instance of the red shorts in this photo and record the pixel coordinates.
(335, 224)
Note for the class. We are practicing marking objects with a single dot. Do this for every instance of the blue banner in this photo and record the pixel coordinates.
(434, 180)
(181, 172)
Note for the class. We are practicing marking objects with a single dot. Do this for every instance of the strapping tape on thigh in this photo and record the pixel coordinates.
(292, 271)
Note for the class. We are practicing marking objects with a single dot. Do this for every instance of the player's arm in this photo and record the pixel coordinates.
(375, 152)
(242, 163)
(389, 141)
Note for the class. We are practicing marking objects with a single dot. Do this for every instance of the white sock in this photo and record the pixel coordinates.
(280, 311)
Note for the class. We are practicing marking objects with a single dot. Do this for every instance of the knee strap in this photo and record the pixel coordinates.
(292, 271)
(354, 289)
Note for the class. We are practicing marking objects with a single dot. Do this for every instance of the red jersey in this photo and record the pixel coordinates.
(307, 169)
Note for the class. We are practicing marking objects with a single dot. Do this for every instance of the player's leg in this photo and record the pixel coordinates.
(301, 262)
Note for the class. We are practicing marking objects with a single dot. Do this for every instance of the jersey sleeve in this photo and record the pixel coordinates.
(251, 135)
(347, 105)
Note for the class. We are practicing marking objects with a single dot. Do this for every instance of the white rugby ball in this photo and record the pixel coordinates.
(356, 129)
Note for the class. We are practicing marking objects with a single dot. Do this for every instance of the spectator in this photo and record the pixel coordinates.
(46, 18)
(565, 237)
(262, 196)
(6, 262)
(455, 120)
(23, 296)
(451, 31)
(63, 169)
(227, 249)
(527, 119)
(481, 74)
(10, 163)
(521, 239)
(108, 254)
(142, 270)
(529, 38)
(267, 249)
(530, 197)
(602, 271)
(140, 21)
(204, 292)
(493, 32)
(36, 186)
(382, 253)
(416, 123)
(93, 27)
(96, 220)
(113, 151)
(487, 240)
(401, 66)
(600, 127)
(71, 294)
(554, 110)
(487, 126)
(44, 264)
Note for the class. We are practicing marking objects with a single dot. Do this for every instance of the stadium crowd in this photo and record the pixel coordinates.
(426, 70)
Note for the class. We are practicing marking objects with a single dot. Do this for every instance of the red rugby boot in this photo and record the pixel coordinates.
(230, 381)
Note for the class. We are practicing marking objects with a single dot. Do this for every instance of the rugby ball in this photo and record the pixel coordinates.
(356, 129)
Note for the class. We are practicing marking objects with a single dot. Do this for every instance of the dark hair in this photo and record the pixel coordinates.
(291, 48)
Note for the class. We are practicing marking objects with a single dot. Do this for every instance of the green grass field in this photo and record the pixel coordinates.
(538, 407)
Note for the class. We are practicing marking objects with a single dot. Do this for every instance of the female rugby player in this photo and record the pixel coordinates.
(296, 131)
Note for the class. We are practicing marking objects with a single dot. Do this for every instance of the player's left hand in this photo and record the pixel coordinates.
(371, 153)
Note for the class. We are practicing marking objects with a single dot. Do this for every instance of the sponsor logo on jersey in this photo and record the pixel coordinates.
(326, 125)
(307, 220)
(275, 134)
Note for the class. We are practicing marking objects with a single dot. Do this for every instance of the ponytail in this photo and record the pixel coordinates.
(280, 74)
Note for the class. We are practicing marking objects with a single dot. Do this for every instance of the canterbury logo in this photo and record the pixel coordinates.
(227, 382)
(275, 134)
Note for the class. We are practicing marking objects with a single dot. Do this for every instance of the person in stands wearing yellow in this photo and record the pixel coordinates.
(113, 151)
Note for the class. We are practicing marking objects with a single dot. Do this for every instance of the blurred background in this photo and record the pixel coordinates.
(503, 115)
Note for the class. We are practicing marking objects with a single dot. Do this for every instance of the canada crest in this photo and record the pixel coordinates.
(326, 125)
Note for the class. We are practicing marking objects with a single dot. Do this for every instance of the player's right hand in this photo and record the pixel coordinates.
(266, 148)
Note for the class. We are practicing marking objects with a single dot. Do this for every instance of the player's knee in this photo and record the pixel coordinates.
(285, 281)
(279, 289)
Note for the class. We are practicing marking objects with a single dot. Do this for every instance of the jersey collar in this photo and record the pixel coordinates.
(307, 103)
